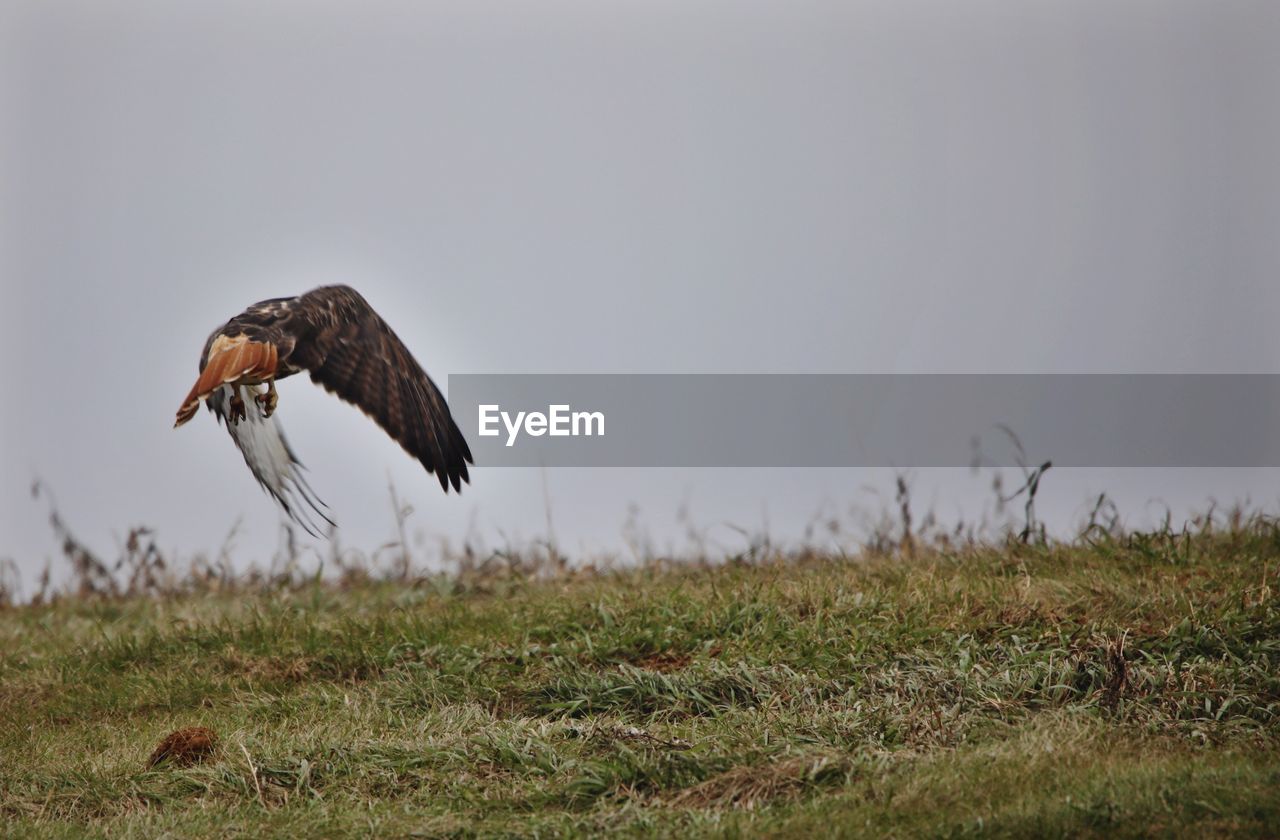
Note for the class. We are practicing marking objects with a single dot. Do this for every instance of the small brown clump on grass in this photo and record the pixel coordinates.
(185, 747)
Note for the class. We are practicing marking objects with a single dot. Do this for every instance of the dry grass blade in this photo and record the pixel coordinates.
(749, 786)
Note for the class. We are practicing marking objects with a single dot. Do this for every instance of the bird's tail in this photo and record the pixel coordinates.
(261, 440)
(243, 361)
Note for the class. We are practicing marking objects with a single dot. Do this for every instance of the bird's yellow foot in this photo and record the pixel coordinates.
(268, 400)
(235, 408)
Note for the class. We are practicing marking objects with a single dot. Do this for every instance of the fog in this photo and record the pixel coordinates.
(626, 187)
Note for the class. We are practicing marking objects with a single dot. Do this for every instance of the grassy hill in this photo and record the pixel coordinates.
(1123, 685)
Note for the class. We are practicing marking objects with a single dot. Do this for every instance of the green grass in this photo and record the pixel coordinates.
(1127, 687)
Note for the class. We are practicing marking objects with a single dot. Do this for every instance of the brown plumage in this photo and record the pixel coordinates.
(334, 335)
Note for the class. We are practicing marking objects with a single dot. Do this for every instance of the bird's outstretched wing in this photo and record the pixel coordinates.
(261, 440)
(352, 352)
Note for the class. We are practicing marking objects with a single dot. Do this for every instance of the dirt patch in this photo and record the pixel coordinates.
(749, 786)
(663, 661)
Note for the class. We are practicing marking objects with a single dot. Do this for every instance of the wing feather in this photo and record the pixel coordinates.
(353, 353)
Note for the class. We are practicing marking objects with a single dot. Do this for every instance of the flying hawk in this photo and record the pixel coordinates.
(333, 334)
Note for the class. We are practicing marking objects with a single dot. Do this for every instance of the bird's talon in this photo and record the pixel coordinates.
(268, 402)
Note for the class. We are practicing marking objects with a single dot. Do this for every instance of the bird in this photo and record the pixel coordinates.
(334, 335)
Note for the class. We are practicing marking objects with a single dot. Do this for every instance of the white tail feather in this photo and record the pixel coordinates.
(261, 440)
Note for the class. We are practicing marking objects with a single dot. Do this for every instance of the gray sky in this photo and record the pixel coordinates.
(612, 187)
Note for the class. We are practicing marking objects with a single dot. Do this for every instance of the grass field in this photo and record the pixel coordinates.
(1124, 685)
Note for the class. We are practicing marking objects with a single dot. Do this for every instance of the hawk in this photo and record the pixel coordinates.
(334, 335)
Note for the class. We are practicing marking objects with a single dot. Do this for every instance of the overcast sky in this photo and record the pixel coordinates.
(612, 187)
